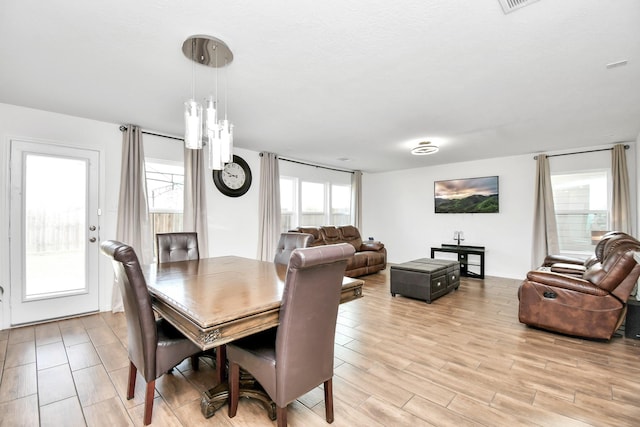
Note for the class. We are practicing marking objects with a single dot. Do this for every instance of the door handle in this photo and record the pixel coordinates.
(92, 240)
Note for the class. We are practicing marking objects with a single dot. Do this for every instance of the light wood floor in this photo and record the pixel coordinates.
(462, 360)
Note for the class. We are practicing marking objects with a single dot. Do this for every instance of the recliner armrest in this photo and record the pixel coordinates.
(564, 268)
(563, 259)
(571, 283)
(371, 246)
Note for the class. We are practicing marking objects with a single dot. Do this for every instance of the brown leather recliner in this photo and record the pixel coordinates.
(592, 305)
(369, 257)
(570, 265)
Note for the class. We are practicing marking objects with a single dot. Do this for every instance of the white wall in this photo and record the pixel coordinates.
(397, 206)
(399, 209)
(40, 126)
(233, 222)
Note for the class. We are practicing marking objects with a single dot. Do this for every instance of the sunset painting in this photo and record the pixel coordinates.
(470, 195)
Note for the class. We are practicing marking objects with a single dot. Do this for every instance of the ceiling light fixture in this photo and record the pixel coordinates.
(201, 120)
(424, 148)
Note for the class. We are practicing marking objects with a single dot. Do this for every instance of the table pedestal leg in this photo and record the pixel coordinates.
(216, 397)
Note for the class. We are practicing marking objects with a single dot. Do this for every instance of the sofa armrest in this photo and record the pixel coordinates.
(563, 268)
(369, 245)
(555, 259)
(562, 281)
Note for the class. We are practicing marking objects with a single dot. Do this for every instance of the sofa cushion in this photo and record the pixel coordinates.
(331, 235)
(351, 235)
(315, 232)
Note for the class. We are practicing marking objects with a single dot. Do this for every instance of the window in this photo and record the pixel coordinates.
(288, 203)
(309, 203)
(582, 208)
(312, 204)
(340, 205)
(165, 193)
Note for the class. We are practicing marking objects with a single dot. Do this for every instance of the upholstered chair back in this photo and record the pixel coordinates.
(288, 242)
(181, 246)
(618, 271)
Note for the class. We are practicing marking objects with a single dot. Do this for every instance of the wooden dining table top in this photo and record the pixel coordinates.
(214, 301)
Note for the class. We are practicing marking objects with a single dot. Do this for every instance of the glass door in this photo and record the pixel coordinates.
(54, 231)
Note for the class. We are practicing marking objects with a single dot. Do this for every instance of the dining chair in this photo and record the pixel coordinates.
(154, 345)
(288, 242)
(296, 356)
(181, 246)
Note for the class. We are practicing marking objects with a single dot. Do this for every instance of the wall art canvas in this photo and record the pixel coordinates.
(469, 195)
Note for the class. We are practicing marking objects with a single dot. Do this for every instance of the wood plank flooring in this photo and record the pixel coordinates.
(463, 360)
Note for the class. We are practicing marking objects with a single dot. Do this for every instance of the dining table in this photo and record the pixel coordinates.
(214, 301)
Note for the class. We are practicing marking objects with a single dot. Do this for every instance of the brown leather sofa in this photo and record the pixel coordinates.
(592, 304)
(569, 265)
(370, 256)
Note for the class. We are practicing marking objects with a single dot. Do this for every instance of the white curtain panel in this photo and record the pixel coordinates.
(133, 227)
(620, 200)
(269, 207)
(195, 198)
(545, 229)
(356, 199)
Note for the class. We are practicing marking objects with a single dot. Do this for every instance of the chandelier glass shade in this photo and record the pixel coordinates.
(192, 124)
(202, 126)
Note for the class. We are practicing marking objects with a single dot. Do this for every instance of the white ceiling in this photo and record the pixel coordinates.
(325, 80)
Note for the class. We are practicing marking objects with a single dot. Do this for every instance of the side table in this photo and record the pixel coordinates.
(463, 258)
(632, 321)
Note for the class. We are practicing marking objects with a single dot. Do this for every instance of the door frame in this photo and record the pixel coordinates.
(6, 217)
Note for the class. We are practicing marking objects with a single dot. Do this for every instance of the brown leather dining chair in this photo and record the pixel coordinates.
(181, 246)
(154, 345)
(297, 356)
(288, 242)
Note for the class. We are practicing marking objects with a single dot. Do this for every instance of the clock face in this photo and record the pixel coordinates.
(233, 176)
(235, 179)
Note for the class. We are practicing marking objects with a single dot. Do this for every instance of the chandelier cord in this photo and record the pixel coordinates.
(193, 69)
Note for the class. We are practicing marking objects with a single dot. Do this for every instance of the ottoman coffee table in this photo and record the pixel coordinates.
(425, 278)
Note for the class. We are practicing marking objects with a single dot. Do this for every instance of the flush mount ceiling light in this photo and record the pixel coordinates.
(201, 119)
(424, 148)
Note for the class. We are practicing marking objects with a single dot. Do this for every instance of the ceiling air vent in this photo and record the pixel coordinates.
(509, 6)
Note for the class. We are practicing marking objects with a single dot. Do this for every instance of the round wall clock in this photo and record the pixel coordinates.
(235, 179)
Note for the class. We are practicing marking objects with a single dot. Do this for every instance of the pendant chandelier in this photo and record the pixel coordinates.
(202, 126)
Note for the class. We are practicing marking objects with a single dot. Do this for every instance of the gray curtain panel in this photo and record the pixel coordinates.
(545, 229)
(620, 201)
(133, 227)
(195, 198)
(269, 207)
(356, 199)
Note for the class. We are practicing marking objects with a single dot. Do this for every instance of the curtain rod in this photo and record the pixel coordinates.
(313, 165)
(626, 147)
(123, 128)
